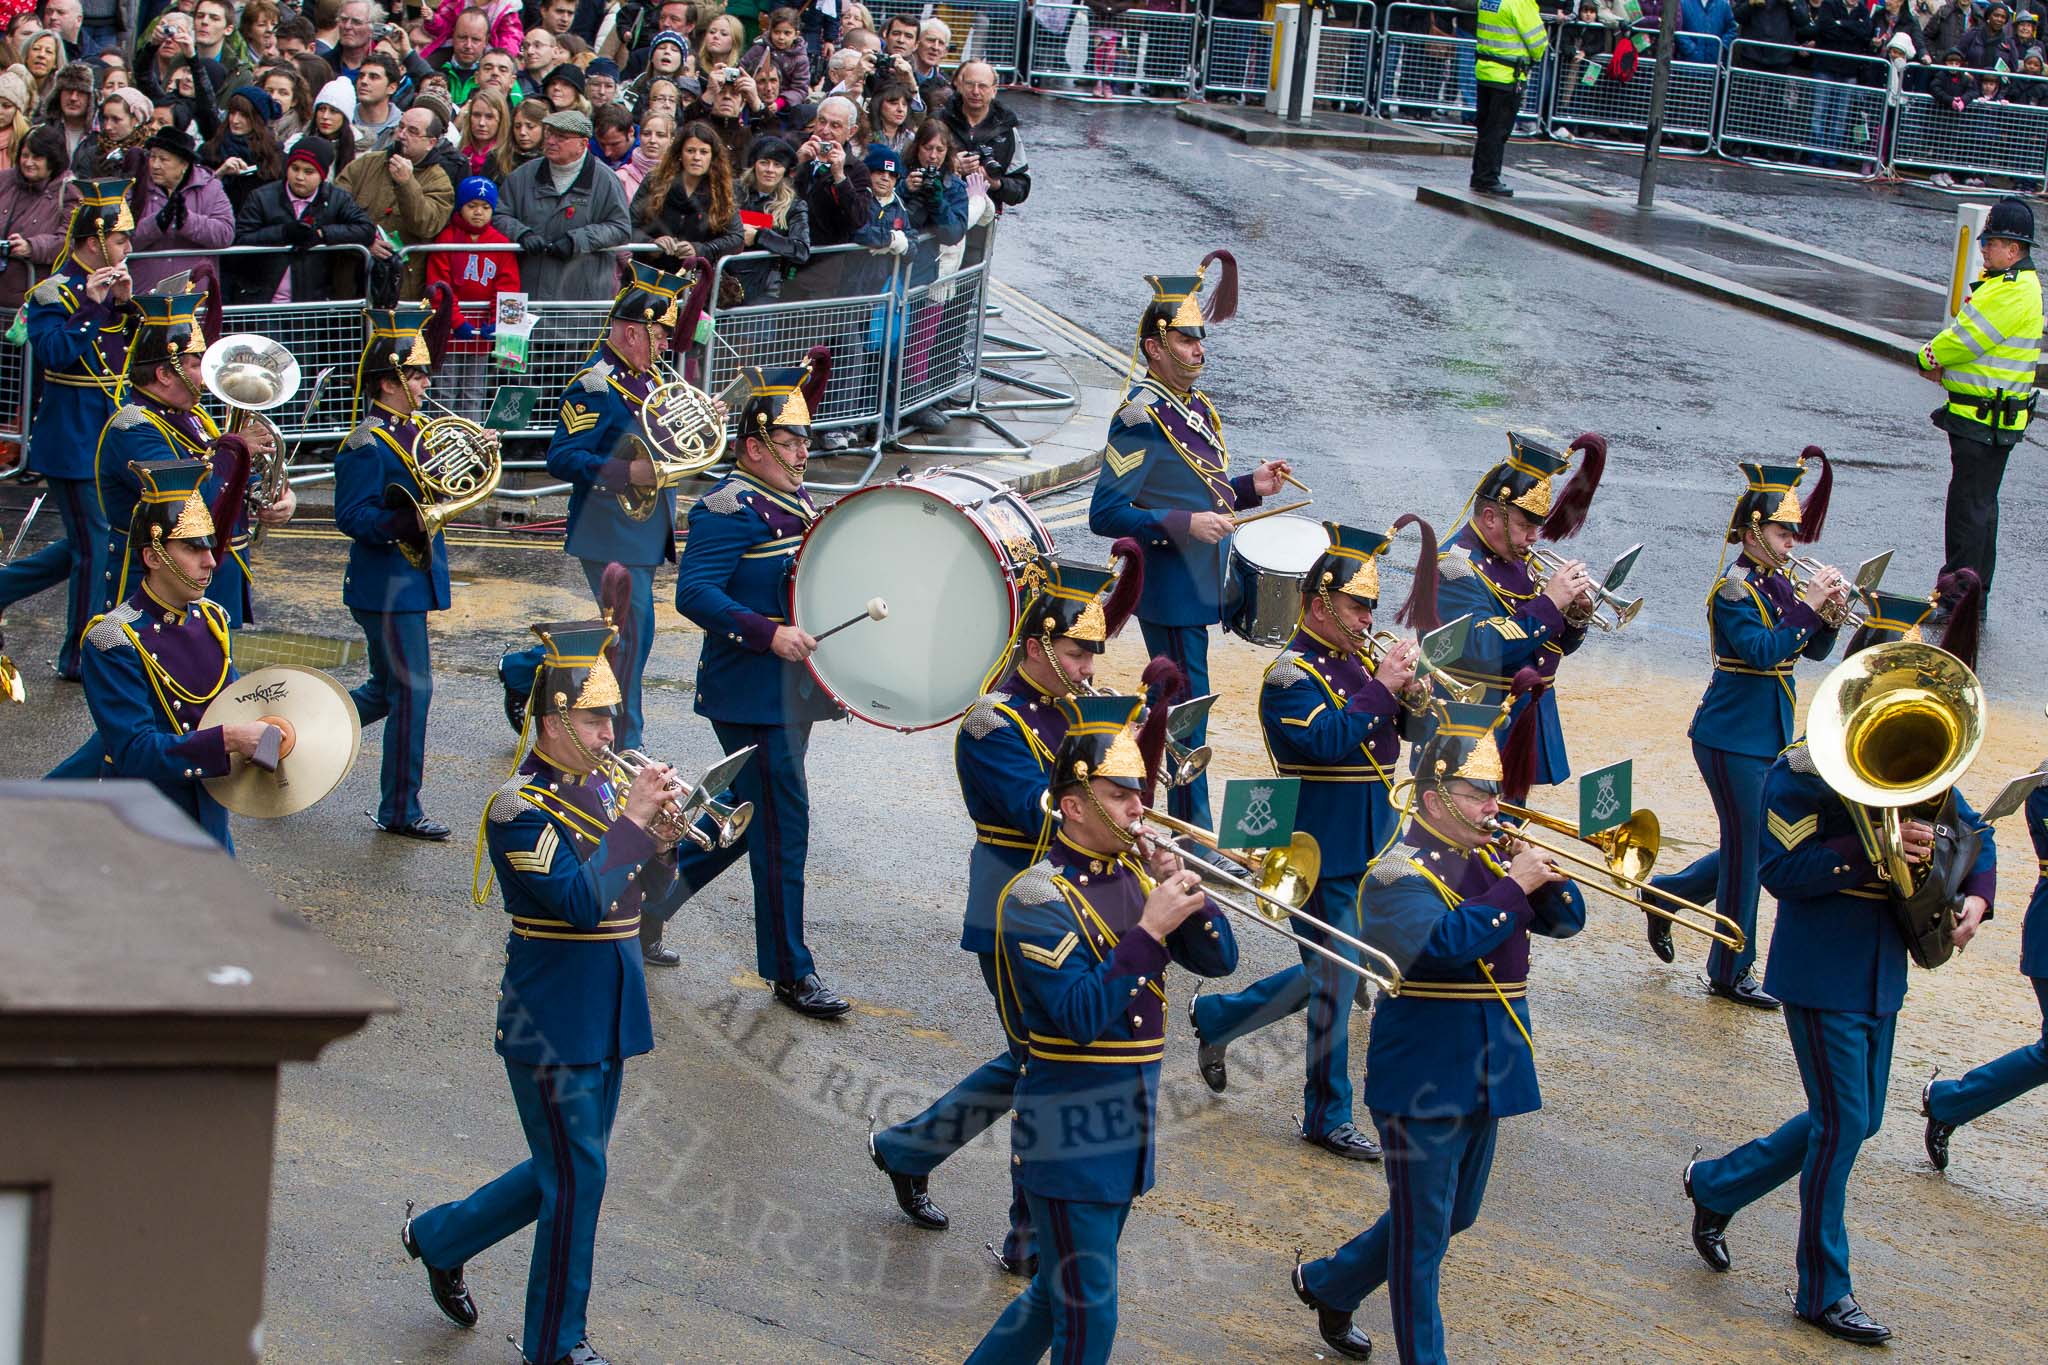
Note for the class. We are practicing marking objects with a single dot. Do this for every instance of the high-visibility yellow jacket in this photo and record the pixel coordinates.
(1512, 41)
(1988, 357)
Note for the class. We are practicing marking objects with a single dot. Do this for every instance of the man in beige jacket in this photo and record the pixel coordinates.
(407, 192)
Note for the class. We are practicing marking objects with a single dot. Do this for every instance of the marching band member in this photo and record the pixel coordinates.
(1082, 944)
(79, 321)
(395, 574)
(1334, 720)
(575, 855)
(1520, 620)
(1761, 623)
(162, 420)
(1948, 1105)
(615, 514)
(1003, 755)
(1451, 1055)
(1165, 482)
(751, 681)
(154, 662)
(1838, 962)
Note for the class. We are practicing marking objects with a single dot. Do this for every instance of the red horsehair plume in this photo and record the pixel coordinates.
(819, 363)
(1223, 303)
(1568, 514)
(1518, 754)
(441, 325)
(1814, 511)
(615, 599)
(1419, 611)
(1130, 581)
(1167, 685)
(1962, 592)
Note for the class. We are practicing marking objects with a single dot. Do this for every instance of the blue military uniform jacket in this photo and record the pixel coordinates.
(1165, 461)
(600, 411)
(1329, 722)
(733, 582)
(378, 453)
(1513, 627)
(79, 347)
(1003, 754)
(1759, 628)
(1083, 988)
(149, 672)
(2034, 931)
(1836, 945)
(574, 872)
(143, 430)
(1447, 1044)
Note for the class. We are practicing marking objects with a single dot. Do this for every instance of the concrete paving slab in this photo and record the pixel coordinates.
(1329, 132)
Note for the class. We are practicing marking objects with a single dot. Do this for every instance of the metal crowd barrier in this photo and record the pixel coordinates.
(1138, 55)
(1237, 59)
(1983, 139)
(1592, 111)
(1427, 77)
(1345, 69)
(1775, 113)
(989, 31)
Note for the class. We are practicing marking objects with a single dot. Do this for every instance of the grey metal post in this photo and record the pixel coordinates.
(1660, 85)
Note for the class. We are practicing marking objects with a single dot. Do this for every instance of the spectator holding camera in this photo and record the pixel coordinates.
(987, 134)
(408, 192)
(301, 211)
(355, 35)
(726, 96)
(831, 178)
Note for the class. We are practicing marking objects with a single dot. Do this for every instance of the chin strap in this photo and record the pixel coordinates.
(1071, 684)
(156, 542)
(1351, 637)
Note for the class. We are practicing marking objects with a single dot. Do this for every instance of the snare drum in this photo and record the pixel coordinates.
(1269, 564)
(946, 550)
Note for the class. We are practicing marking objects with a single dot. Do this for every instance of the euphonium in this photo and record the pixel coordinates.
(251, 374)
(459, 469)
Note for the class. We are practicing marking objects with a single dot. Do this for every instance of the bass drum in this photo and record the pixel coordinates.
(1269, 563)
(947, 551)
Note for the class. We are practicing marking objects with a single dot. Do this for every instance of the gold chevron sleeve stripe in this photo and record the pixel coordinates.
(1052, 957)
(543, 856)
(1791, 833)
(576, 419)
(1119, 463)
(1507, 628)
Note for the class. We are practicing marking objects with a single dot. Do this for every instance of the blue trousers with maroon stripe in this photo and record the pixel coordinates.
(1436, 1177)
(776, 844)
(1188, 647)
(1067, 1314)
(567, 1113)
(1727, 877)
(398, 691)
(1996, 1082)
(1845, 1062)
(79, 558)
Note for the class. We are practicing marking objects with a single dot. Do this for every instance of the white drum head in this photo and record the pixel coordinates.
(1286, 544)
(951, 605)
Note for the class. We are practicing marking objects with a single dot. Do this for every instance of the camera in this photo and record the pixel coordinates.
(379, 32)
(986, 151)
(728, 74)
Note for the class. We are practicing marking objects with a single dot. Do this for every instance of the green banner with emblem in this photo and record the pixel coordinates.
(1258, 812)
(1606, 797)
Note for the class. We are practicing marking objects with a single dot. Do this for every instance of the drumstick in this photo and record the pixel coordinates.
(875, 611)
(1270, 512)
(1296, 482)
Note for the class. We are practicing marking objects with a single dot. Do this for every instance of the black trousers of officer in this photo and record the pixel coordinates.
(1498, 105)
(1970, 526)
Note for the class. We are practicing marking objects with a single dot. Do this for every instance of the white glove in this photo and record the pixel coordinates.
(898, 244)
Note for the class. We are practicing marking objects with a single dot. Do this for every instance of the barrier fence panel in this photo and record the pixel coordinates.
(17, 396)
(1237, 59)
(989, 31)
(1344, 65)
(1138, 54)
(1981, 139)
(1426, 73)
(1595, 107)
(1775, 110)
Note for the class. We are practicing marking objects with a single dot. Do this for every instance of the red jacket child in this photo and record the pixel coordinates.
(477, 277)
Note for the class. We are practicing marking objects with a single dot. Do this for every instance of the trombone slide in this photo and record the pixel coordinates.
(1639, 892)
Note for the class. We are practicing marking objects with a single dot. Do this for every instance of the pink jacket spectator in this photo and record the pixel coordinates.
(203, 223)
(506, 30)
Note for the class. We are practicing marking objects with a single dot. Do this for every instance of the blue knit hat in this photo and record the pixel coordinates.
(476, 187)
(881, 157)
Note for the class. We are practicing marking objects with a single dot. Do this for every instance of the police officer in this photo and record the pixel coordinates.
(1333, 719)
(79, 322)
(1520, 620)
(1165, 482)
(1083, 941)
(575, 854)
(396, 575)
(1451, 1054)
(1003, 754)
(752, 685)
(153, 663)
(1511, 45)
(162, 420)
(1948, 1105)
(616, 515)
(1838, 961)
(1761, 624)
(1986, 360)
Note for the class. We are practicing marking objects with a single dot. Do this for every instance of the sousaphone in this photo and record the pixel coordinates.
(317, 738)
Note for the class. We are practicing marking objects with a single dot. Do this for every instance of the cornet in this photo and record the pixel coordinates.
(1836, 612)
(1380, 641)
(1623, 610)
(678, 818)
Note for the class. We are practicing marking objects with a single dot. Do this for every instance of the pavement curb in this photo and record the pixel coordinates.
(1505, 213)
(1258, 128)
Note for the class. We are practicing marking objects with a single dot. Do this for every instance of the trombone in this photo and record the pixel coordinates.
(1286, 878)
(678, 818)
(1627, 852)
(1623, 609)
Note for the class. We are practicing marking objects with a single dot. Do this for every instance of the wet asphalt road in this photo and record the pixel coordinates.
(744, 1221)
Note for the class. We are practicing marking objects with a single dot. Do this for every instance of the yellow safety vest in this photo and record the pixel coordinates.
(1989, 353)
(1511, 41)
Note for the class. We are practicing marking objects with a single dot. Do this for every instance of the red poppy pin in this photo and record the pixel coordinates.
(571, 212)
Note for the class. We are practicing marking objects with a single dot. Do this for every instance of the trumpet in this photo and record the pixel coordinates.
(1380, 641)
(1835, 611)
(1627, 853)
(460, 469)
(1286, 878)
(1621, 610)
(678, 818)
